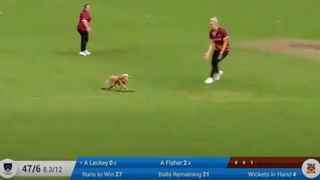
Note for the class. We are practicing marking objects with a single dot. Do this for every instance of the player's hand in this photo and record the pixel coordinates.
(220, 57)
(89, 29)
(206, 55)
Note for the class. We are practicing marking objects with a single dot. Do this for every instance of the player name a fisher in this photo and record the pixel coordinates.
(175, 163)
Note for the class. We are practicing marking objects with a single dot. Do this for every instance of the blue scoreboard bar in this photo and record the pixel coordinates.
(155, 168)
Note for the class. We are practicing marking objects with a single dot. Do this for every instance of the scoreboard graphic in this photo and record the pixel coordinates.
(166, 168)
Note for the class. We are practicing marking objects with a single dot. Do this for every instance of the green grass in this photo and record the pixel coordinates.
(51, 105)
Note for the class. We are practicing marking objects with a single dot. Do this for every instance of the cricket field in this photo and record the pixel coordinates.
(266, 104)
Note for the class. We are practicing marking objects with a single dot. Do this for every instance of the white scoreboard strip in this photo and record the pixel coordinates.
(10, 168)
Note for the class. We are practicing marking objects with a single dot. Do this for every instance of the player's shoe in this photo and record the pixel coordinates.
(209, 80)
(88, 53)
(83, 53)
(217, 76)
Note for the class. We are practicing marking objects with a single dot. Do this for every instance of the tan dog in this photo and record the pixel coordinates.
(117, 81)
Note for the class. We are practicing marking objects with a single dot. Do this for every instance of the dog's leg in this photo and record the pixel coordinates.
(109, 84)
(125, 87)
(110, 87)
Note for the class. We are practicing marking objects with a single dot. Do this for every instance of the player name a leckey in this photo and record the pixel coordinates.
(96, 163)
(175, 163)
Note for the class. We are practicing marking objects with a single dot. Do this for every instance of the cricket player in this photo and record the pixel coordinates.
(219, 39)
(84, 29)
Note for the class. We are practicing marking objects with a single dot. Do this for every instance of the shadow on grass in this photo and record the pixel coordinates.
(95, 52)
(118, 90)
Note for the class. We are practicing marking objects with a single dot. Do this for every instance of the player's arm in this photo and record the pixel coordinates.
(210, 46)
(224, 46)
(86, 24)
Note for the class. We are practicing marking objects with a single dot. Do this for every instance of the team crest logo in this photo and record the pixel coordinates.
(7, 167)
(311, 168)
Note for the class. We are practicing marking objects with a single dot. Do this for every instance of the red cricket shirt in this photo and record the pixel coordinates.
(84, 15)
(217, 37)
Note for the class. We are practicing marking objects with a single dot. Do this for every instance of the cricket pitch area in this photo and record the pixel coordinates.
(294, 47)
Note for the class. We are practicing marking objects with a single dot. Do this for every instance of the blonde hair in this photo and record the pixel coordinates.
(214, 19)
